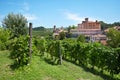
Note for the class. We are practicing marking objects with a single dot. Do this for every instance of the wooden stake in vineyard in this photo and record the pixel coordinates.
(60, 54)
(30, 40)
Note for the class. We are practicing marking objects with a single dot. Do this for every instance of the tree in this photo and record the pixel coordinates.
(81, 38)
(116, 23)
(69, 28)
(62, 35)
(16, 23)
(113, 38)
(73, 26)
(105, 25)
(68, 34)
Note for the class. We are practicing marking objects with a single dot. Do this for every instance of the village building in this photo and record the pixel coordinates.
(57, 31)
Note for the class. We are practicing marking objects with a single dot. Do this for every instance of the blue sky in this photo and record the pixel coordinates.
(62, 12)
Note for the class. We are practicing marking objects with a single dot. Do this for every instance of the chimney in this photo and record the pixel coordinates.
(96, 21)
(78, 25)
(54, 26)
(86, 19)
(54, 29)
(83, 21)
(61, 27)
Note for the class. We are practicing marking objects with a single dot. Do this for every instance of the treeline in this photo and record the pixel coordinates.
(108, 25)
(41, 28)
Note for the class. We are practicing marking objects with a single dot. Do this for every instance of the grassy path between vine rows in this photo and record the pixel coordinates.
(39, 69)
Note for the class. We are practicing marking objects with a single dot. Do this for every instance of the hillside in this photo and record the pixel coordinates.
(42, 69)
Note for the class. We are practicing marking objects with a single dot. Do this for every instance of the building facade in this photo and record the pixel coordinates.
(90, 29)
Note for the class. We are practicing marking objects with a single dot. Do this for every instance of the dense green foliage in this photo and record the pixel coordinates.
(16, 23)
(113, 38)
(81, 38)
(4, 39)
(94, 54)
(62, 35)
(40, 45)
(55, 49)
(20, 51)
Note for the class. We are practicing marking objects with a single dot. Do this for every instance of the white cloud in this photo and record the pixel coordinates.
(30, 16)
(73, 16)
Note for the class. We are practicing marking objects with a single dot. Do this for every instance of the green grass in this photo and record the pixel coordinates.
(41, 69)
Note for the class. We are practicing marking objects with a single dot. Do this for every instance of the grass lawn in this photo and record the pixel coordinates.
(41, 69)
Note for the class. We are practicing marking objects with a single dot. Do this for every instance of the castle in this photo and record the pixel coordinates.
(91, 29)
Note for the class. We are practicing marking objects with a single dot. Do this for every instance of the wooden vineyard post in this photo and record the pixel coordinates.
(30, 40)
(60, 54)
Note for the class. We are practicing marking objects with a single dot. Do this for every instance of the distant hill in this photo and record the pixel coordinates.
(41, 28)
(42, 31)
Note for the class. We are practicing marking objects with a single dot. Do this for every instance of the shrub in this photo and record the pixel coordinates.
(20, 51)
